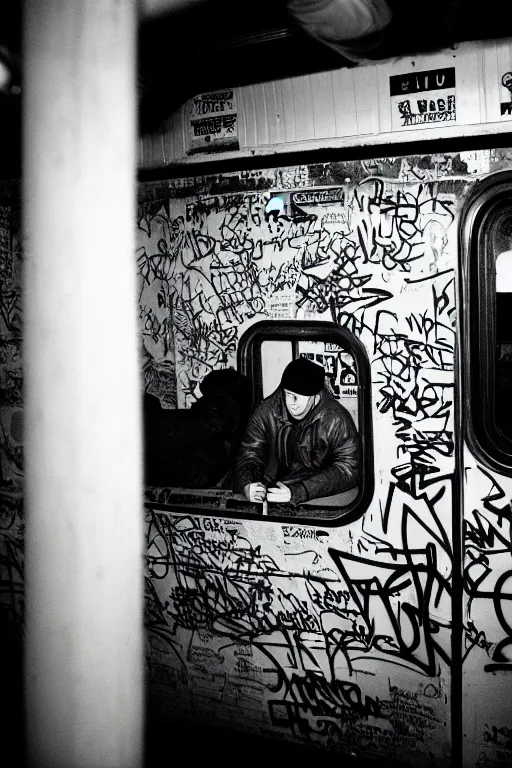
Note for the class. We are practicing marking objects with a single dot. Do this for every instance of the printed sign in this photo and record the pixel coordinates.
(214, 122)
(319, 196)
(422, 98)
(283, 305)
(506, 95)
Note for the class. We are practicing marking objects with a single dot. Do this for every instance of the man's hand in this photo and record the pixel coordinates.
(280, 495)
(255, 492)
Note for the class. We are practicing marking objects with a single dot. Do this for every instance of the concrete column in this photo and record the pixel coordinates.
(84, 532)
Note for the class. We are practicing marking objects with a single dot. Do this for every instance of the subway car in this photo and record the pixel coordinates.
(360, 219)
(376, 622)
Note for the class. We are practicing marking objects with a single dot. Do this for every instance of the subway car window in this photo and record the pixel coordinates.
(285, 436)
(487, 284)
(324, 456)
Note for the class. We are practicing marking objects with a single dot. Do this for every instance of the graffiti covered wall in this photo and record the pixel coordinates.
(341, 637)
(487, 661)
(337, 637)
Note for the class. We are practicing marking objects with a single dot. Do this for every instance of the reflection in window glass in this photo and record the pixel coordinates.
(502, 237)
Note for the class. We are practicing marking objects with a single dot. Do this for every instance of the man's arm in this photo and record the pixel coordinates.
(342, 472)
(252, 455)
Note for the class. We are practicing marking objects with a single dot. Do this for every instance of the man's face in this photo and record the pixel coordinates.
(298, 406)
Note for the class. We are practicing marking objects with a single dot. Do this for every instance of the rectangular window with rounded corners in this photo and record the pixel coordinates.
(313, 465)
(264, 352)
(486, 238)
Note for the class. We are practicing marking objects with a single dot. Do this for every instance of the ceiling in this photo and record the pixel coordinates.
(226, 43)
(214, 44)
(223, 43)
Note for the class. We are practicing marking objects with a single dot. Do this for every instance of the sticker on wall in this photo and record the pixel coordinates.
(282, 305)
(214, 122)
(506, 95)
(302, 202)
(420, 99)
(319, 196)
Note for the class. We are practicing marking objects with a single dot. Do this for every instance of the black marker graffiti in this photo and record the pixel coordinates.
(488, 546)
(303, 624)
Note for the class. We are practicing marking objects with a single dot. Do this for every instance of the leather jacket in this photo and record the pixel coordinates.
(324, 459)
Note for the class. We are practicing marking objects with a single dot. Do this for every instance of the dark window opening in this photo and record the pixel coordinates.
(487, 315)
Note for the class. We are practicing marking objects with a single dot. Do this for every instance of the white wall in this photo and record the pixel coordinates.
(348, 107)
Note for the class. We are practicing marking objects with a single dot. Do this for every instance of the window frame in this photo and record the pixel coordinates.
(249, 363)
(477, 319)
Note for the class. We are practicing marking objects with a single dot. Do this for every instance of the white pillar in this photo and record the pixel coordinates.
(84, 659)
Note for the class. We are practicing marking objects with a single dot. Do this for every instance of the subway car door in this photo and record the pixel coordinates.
(486, 353)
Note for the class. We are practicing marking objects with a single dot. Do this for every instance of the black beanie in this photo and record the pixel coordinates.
(303, 377)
